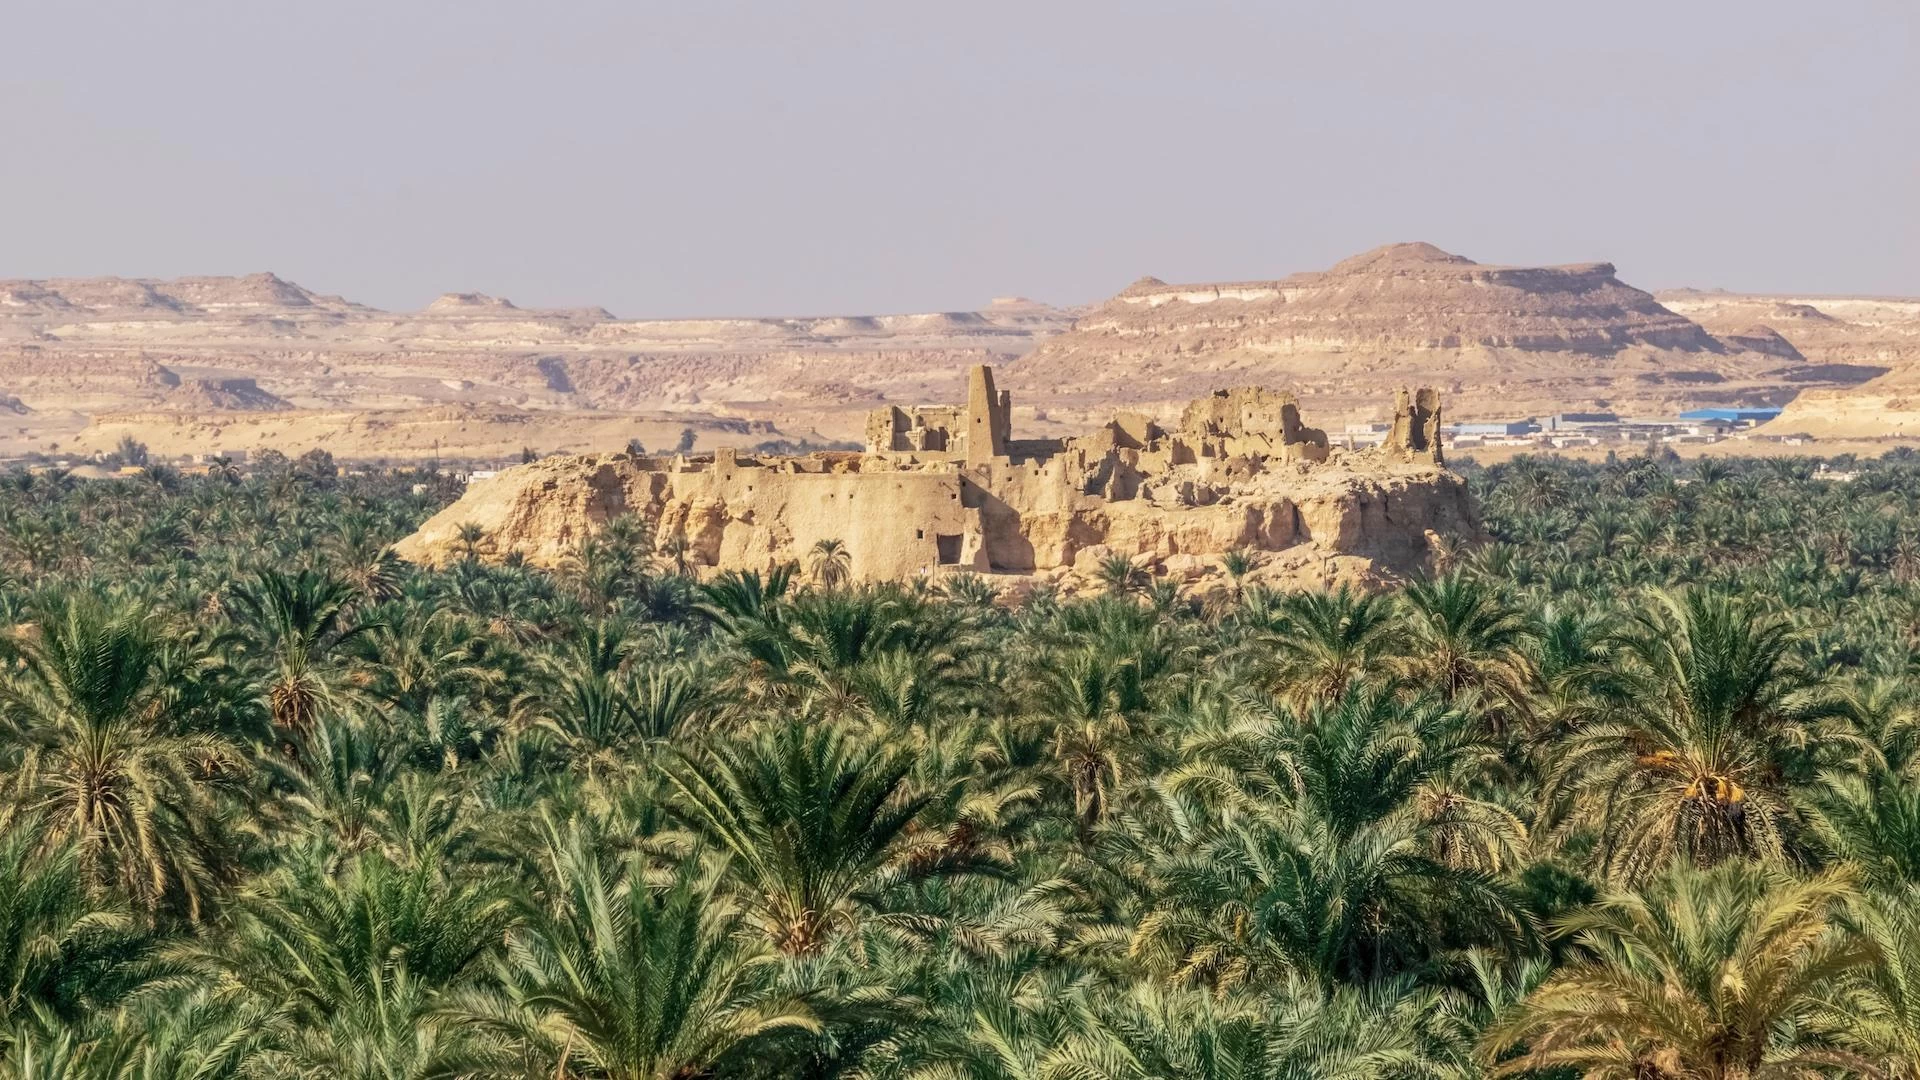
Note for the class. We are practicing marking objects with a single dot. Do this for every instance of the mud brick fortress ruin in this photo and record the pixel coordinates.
(948, 487)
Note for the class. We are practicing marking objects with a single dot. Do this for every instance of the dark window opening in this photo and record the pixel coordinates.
(947, 548)
(919, 534)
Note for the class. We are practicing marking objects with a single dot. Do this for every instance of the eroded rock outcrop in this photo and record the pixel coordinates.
(224, 395)
(949, 488)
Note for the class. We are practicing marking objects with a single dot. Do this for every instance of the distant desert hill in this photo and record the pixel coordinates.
(1863, 330)
(1876, 337)
(144, 297)
(1499, 340)
(225, 395)
(134, 351)
(87, 357)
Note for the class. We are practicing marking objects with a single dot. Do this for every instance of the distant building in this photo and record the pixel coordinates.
(1494, 427)
(1559, 421)
(1732, 416)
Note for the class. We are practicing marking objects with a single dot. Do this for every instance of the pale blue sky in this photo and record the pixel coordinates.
(760, 158)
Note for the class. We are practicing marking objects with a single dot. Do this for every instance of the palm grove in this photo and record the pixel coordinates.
(1628, 794)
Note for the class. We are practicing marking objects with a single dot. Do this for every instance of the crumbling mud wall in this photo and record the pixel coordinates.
(1241, 471)
(1415, 432)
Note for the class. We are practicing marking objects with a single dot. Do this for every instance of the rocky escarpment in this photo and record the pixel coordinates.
(1410, 296)
(1358, 519)
(1501, 340)
(1869, 346)
(1861, 331)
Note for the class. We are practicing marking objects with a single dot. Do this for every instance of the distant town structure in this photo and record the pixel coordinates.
(1732, 416)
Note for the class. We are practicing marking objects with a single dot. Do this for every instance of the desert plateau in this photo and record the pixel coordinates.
(239, 364)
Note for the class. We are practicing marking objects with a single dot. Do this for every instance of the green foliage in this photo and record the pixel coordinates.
(1628, 792)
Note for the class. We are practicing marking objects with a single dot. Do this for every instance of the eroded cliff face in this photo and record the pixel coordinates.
(1872, 333)
(1869, 344)
(894, 524)
(1244, 473)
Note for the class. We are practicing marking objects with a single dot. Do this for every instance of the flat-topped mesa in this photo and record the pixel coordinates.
(1504, 340)
(948, 487)
(1402, 296)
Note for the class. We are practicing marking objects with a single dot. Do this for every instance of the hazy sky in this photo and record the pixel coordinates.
(708, 157)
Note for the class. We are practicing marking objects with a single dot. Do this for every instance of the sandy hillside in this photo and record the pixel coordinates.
(183, 361)
(1499, 341)
(1875, 336)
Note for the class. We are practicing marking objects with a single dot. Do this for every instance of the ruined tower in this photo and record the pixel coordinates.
(989, 422)
(1415, 435)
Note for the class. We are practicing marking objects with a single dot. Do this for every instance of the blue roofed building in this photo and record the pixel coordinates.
(1732, 416)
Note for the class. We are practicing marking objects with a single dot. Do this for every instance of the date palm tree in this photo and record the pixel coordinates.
(62, 957)
(1320, 642)
(300, 619)
(1122, 575)
(830, 563)
(1871, 821)
(1880, 1014)
(621, 976)
(1329, 848)
(469, 534)
(815, 824)
(1718, 975)
(1086, 698)
(104, 768)
(1392, 1031)
(184, 1033)
(1463, 636)
(1017, 1019)
(358, 964)
(1694, 764)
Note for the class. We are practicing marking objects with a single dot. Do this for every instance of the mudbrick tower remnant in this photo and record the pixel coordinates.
(989, 417)
(1415, 434)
